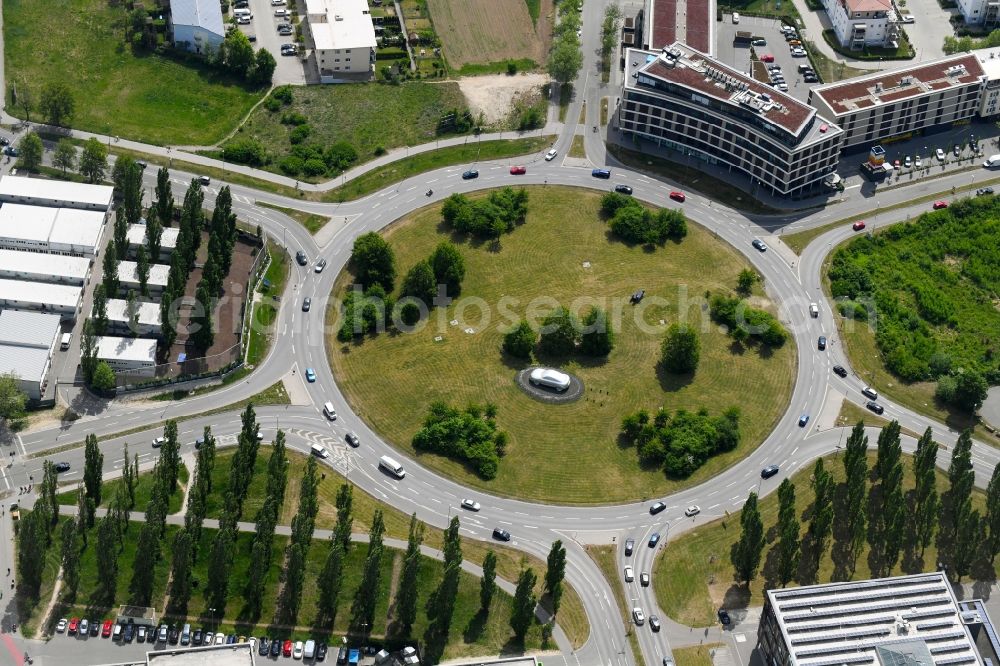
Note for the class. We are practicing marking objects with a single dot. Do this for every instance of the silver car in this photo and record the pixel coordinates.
(551, 378)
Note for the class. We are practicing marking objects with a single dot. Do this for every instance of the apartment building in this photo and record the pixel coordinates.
(861, 23)
(686, 101)
(343, 39)
(985, 13)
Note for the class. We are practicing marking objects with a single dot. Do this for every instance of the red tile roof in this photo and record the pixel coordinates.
(868, 5)
(862, 93)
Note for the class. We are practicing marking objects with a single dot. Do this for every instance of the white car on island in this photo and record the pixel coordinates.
(550, 378)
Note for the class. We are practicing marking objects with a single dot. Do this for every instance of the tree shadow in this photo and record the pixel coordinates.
(876, 531)
(476, 627)
(770, 569)
(512, 648)
(840, 550)
(671, 382)
(808, 561)
(736, 596)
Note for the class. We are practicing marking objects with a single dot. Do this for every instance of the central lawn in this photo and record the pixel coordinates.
(143, 490)
(693, 575)
(563, 453)
(139, 95)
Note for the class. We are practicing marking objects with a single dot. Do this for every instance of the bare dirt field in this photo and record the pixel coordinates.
(485, 31)
(493, 95)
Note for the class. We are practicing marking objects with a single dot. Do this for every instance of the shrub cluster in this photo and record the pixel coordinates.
(470, 435)
(745, 322)
(634, 223)
(499, 213)
(681, 443)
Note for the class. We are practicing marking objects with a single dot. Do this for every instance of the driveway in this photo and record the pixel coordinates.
(265, 27)
(928, 31)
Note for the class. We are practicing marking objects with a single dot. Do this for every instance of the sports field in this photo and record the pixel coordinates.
(484, 31)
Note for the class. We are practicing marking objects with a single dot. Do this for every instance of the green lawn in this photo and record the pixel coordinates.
(693, 575)
(143, 489)
(544, 259)
(310, 221)
(577, 149)
(830, 70)
(143, 96)
(265, 312)
(699, 655)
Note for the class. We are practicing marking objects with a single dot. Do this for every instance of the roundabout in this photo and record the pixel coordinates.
(548, 394)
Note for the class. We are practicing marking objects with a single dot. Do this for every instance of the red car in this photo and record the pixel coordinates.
(859, 225)
(940, 204)
(73, 624)
(518, 170)
(106, 631)
(287, 649)
(767, 57)
(677, 196)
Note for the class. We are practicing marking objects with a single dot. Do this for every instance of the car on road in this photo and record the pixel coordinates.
(471, 505)
(629, 574)
(638, 616)
(654, 623)
(601, 173)
(106, 629)
(803, 420)
(821, 343)
(814, 310)
(549, 156)
(939, 154)
(11, 151)
(158, 442)
(869, 392)
(656, 507)
(629, 547)
(518, 170)
(287, 649)
(938, 205)
(759, 244)
(306, 304)
(300, 257)
(840, 371)
(200, 442)
(62, 466)
(549, 377)
(859, 225)
(310, 375)
(983, 191)
(623, 189)
(724, 617)
(798, 52)
(769, 471)
(654, 539)
(644, 579)
(767, 57)
(470, 174)
(352, 439)
(501, 534)
(692, 510)
(320, 265)
(678, 196)
(874, 406)
(73, 625)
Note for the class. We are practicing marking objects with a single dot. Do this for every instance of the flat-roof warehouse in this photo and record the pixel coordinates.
(57, 298)
(133, 355)
(136, 236)
(53, 230)
(43, 267)
(57, 193)
(27, 342)
(149, 317)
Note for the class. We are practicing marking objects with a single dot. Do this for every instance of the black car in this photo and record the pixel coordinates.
(654, 539)
(875, 407)
(759, 244)
(656, 508)
(724, 617)
(141, 164)
(306, 304)
(300, 257)
(502, 535)
(276, 648)
(129, 633)
(982, 191)
(196, 637)
(10, 150)
(629, 546)
(342, 656)
(840, 371)
(4, 141)
(95, 628)
(321, 652)
(352, 439)
(768, 471)
(821, 343)
(151, 635)
(470, 174)
(231, 639)
(263, 645)
(173, 635)
(637, 296)
(623, 189)
(62, 466)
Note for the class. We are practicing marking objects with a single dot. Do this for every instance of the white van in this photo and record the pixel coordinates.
(310, 650)
(391, 466)
(330, 412)
(993, 161)
(64, 342)
(319, 451)
(242, 11)
(814, 309)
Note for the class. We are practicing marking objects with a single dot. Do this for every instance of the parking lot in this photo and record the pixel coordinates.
(264, 27)
(738, 55)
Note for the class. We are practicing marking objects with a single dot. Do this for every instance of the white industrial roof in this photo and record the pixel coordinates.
(136, 235)
(39, 263)
(58, 190)
(202, 13)
(26, 339)
(340, 24)
(77, 227)
(42, 293)
(41, 224)
(126, 349)
(128, 271)
(149, 313)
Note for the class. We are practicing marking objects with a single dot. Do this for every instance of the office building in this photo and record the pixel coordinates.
(343, 39)
(687, 21)
(61, 299)
(27, 342)
(897, 621)
(861, 23)
(698, 107)
(39, 267)
(134, 356)
(34, 228)
(55, 193)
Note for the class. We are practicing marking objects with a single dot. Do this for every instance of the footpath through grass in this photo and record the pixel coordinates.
(556, 258)
(693, 575)
(140, 95)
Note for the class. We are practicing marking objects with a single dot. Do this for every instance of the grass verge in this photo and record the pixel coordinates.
(698, 655)
(143, 490)
(565, 97)
(577, 149)
(829, 70)
(311, 221)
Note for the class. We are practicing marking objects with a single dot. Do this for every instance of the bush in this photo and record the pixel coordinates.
(520, 340)
(469, 435)
(681, 349)
(283, 94)
(597, 337)
(681, 443)
(272, 104)
(340, 155)
(245, 151)
(299, 134)
(291, 165)
(633, 223)
(511, 68)
(498, 213)
(449, 267)
(737, 315)
(293, 118)
(314, 167)
(559, 333)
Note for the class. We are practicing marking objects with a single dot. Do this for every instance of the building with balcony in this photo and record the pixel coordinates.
(861, 23)
(343, 39)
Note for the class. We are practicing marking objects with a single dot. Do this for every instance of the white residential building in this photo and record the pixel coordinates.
(55, 193)
(861, 23)
(343, 38)
(53, 230)
(39, 267)
(44, 296)
(136, 356)
(197, 25)
(985, 13)
(27, 343)
(136, 236)
(148, 317)
(128, 277)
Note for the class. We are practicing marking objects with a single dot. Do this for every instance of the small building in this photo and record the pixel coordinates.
(147, 324)
(35, 228)
(861, 23)
(40, 267)
(61, 299)
(128, 277)
(27, 342)
(197, 25)
(135, 356)
(343, 39)
(56, 193)
(136, 236)
(985, 13)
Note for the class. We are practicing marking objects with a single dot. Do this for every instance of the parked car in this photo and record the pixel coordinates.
(957, 150)
(803, 420)
(983, 191)
(629, 547)
(129, 633)
(939, 154)
(281, 13)
(264, 646)
(73, 625)
(623, 189)
(656, 507)
(518, 170)
(692, 510)
(768, 471)
(759, 244)
(874, 406)
(471, 505)
(759, 42)
(95, 628)
(276, 647)
(938, 205)
(678, 196)
(629, 574)
(106, 630)
(321, 649)
(549, 156)
(310, 375)
(500, 534)
(907, 161)
(724, 617)
(470, 174)
(918, 162)
(767, 57)
(859, 225)
(287, 649)
(140, 634)
(297, 650)
(197, 636)
(840, 371)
